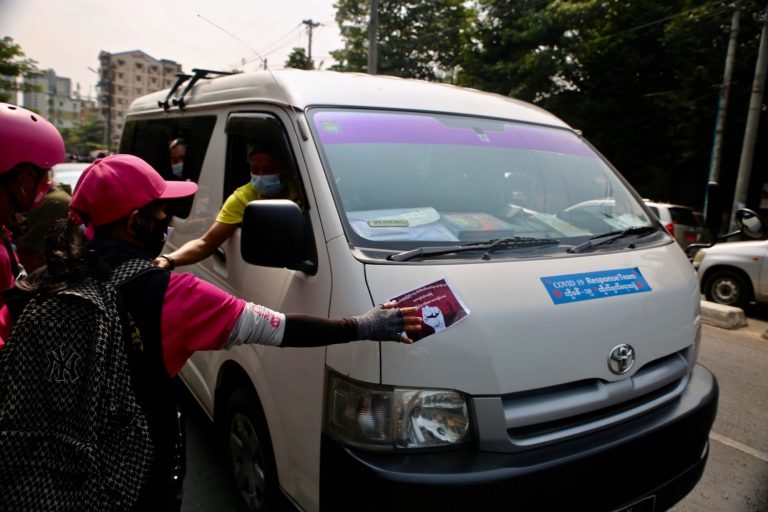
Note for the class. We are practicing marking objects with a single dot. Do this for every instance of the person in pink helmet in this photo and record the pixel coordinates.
(123, 201)
(29, 147)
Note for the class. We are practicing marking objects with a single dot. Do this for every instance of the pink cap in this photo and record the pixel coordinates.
(113, 187)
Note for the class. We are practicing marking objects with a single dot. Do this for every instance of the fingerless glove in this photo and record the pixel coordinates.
(380, 324)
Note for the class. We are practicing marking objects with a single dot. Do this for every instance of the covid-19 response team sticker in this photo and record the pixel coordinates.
(595, 285)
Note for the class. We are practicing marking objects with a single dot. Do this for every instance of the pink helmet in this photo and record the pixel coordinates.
(27, 137)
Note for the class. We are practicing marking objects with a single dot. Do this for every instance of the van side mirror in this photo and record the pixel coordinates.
(276, 234)
(713, 209)
(750, 223)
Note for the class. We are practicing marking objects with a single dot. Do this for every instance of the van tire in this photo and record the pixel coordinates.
(250, 452)
(728, 288)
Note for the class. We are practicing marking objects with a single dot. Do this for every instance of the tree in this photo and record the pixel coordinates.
(639, 77)
(298, 59)
(84, 138)
(416, 39)
(14, 65)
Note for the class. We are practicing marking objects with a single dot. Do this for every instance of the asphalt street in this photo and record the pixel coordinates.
(736, 476)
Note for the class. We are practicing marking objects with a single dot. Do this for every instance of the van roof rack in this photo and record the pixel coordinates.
(198, 74)
(180, 79)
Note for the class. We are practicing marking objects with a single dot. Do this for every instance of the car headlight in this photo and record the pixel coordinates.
(384, 417)
(698, 257)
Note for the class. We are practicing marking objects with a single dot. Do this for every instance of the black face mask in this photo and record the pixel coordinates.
(152, 240)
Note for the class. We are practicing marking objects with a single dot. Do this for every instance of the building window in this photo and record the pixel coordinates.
(137, 90)
(167, 83)
(120, 62)
(120, 75)
(139, 65)
(138, 78)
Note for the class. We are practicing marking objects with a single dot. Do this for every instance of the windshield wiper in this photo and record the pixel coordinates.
(489, 246)
(604, 238)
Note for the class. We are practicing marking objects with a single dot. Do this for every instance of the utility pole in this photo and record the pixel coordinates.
(373, 49)
(722, 105)
(310, 25)
(753, 120)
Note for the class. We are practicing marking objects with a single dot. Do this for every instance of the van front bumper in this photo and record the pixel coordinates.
(657, 458)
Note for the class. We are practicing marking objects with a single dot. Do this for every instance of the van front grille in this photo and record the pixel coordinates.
(530, 419)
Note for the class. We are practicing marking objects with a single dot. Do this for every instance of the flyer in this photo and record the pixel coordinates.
(439, 307)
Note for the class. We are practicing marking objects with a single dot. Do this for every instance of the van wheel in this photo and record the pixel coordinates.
(728, 288)
(250, 453)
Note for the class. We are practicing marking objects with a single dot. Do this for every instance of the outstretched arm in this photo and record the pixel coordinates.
(258, 324)
(200, 248)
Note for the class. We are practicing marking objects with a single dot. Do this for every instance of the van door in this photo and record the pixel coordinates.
(289, 382)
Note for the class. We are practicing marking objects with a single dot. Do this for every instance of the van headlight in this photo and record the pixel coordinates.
(384, 417)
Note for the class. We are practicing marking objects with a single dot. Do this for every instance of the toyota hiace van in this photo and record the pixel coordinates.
(571, 381)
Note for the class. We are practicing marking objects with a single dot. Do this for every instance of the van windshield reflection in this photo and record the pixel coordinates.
(413, 180)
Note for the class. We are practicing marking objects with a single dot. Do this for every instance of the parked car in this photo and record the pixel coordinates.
(67, 174)
(682, 222)
(734, 273)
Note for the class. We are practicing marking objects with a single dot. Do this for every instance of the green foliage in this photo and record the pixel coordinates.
(416, 39)
(14, 65)
(298, 59)
(640, 78)
(82, 139)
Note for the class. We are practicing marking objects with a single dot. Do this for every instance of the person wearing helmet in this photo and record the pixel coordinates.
(122, 201)
(29, 147)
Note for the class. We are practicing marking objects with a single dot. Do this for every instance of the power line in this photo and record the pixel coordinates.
(233, 36)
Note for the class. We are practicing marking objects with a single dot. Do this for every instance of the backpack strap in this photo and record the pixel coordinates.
(132, 269)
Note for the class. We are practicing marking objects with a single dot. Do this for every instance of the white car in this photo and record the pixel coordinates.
(734, 273)
(67, 174)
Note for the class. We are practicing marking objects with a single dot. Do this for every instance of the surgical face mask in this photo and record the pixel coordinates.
(267, 184)
(178, 169)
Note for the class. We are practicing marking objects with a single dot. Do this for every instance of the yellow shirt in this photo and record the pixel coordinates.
(234, 207)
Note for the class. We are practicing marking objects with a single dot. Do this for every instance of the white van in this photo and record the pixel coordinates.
(572, 382)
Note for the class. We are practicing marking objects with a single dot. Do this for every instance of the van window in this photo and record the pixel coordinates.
(409, 178)
(252, 133)
(151, 139)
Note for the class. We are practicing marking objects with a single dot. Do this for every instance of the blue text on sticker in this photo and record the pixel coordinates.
(595, 285)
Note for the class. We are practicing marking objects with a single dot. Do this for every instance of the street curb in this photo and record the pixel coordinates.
(727, 317)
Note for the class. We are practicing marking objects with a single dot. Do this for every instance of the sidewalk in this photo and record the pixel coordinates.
(727, 317)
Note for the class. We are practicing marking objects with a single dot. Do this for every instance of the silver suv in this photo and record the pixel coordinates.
(682, 222)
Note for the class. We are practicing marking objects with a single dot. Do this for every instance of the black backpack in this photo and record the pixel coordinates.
(72, 435)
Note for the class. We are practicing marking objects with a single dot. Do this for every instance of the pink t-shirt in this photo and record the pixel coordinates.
(196, 316)
(6, 281)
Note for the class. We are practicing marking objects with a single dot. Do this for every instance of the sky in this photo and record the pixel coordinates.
(67, 35)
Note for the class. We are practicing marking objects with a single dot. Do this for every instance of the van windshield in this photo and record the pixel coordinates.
(408, 179)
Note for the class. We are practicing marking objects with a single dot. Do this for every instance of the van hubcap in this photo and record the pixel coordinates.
(247, 461)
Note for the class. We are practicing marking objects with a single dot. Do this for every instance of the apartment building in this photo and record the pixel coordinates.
(125, 76)
(56, 101)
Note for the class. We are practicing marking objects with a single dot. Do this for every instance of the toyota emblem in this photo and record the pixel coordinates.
(621, 359)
